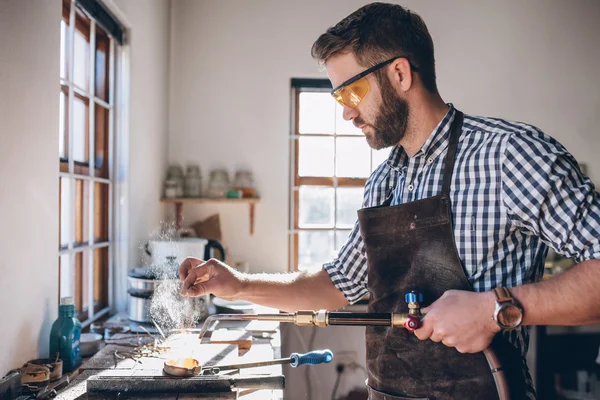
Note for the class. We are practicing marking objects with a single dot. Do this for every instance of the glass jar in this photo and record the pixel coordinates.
(192, 184)
(170, 188)
(245, 183)
(218, 184)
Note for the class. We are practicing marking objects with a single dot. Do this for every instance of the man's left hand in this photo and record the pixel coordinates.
(460, 319)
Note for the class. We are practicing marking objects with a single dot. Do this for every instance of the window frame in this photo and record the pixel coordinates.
(86, 172)
(299, 86)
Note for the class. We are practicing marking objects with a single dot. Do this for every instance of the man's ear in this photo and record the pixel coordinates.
(400, 74)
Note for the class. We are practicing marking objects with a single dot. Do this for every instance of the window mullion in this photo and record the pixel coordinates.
(91, 166)
(71, 169)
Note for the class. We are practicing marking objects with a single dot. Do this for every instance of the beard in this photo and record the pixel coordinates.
(390, 125)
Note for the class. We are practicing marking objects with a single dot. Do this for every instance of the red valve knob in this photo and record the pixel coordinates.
(412, 323)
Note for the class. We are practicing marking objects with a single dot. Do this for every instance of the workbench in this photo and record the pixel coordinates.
(105, 365)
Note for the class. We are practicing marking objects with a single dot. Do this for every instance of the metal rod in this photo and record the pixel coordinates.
(249, 365)
(244, 317)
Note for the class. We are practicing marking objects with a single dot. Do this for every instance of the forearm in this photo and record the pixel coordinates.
(571, 298)
(293, 291)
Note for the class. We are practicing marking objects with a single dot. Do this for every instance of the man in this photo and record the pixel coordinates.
(463, 205)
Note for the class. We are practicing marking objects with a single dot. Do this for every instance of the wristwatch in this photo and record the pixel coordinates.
(509, 313)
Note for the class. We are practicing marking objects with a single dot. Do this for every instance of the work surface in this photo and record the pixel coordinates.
(134, 360)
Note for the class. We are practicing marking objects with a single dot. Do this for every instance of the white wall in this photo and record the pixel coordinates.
(29, 88)
(534, 61)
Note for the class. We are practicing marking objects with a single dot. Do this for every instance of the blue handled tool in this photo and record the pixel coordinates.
(312, 357)
(295, 359)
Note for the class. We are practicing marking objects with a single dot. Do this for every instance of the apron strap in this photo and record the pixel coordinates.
(455, 131)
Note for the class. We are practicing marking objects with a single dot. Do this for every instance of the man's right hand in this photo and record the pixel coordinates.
(202, 277)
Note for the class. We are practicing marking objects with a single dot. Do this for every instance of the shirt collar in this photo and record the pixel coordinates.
(435, 144)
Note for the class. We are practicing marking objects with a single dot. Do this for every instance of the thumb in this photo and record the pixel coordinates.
(202, 288)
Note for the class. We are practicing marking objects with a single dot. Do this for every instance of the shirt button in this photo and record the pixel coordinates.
(430, 160)
(410, 188)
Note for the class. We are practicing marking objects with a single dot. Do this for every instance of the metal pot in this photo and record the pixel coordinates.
(139, 305)
(147, 285)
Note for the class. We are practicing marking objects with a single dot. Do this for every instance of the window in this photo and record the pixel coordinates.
(86, 137)
(331, 162)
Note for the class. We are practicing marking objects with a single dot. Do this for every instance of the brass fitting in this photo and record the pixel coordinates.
(398, 319)
(322, 318)
(305, 318)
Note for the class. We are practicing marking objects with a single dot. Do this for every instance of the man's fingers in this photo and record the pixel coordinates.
(425, 331)
(187, 265)
(201, 288)
(195, 276)
(436, 337)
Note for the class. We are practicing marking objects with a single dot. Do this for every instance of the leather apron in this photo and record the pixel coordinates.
(411, 247)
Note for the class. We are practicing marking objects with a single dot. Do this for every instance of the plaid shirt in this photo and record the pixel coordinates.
(514, 192)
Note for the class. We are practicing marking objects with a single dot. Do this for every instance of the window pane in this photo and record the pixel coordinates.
(317, 113)
(315, 156)
(342, 126)
(80, 130)
(101, 145)
(314, 249)
(82, 282)
(100, 278)
(66, 210)
(348, 201)
(315, 207)
(341, 237)
(82, 211)
(81, 52)
(62, 127)
(64, 34)
(101, 208)
(102, 63)
(82, 274)
(67, 282)
(352, 157)
(379, 156)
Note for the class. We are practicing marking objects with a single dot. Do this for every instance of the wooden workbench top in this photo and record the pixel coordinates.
(113, 361)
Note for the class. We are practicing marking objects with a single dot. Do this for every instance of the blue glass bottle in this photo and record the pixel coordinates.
(65, 335)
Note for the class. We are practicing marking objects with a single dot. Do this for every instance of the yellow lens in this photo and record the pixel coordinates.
(352, 94)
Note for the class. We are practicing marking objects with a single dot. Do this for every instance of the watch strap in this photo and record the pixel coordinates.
(503, 295)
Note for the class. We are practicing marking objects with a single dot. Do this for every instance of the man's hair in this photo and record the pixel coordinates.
(378, 32)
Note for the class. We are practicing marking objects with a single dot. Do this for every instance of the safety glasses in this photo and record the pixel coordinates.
(351, 92)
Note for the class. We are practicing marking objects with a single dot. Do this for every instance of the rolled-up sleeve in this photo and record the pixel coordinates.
(547, 195)
(348, 271)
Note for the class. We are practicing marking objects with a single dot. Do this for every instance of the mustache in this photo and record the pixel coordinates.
(358, 121)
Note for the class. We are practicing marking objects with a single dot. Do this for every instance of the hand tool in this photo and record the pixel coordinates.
(312, 357)
(323, 318)
(193, 367)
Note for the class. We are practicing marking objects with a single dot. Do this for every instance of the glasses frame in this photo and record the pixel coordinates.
(372, 69)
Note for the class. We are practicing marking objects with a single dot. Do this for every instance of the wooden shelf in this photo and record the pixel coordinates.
(208, 200)
(179, 201)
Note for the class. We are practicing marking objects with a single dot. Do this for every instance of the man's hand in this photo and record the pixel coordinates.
(460, 319)
(212, 276)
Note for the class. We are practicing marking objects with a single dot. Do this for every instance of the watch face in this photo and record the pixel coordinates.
(510, 316)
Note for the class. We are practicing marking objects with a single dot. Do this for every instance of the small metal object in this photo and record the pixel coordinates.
(158, 328)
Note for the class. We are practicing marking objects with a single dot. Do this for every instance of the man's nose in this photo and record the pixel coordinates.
(349, 113)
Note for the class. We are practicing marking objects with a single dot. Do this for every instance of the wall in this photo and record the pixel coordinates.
(29, 87)
(534, 61)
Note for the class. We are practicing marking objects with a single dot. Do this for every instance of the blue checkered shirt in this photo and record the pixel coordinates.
(515, 192)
